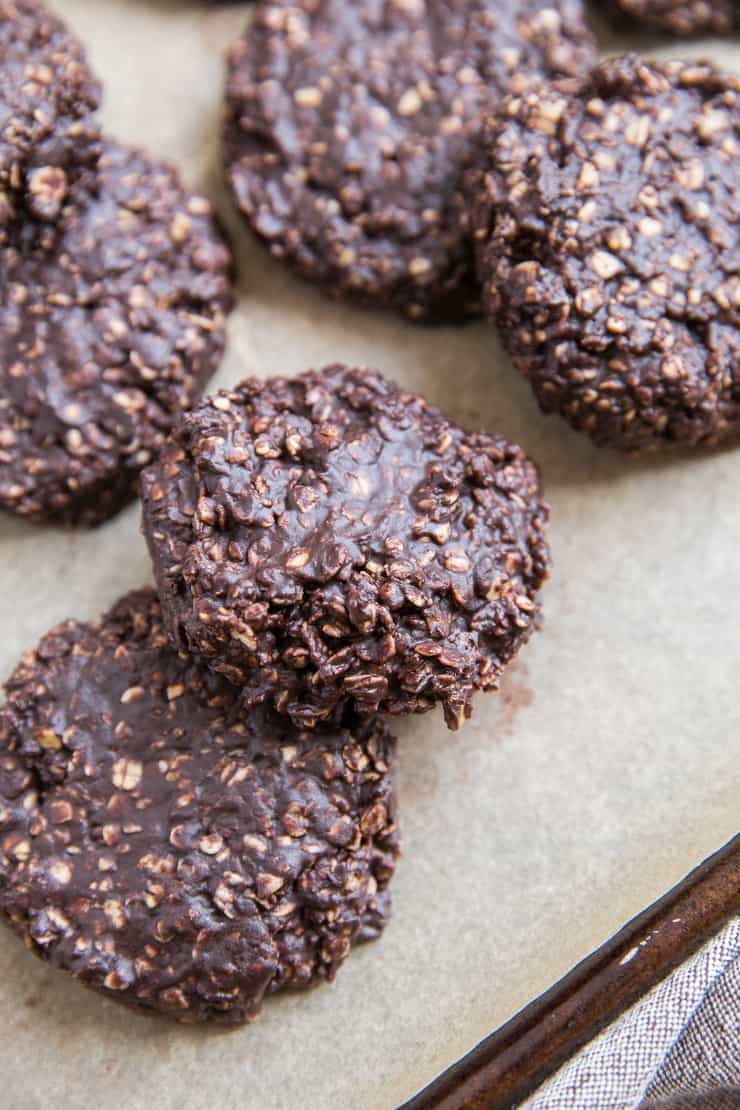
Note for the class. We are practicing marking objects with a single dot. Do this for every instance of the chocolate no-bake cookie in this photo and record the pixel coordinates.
(348, 125)
(111, 321)
(608, 241)
(168, 847)
(48, 98)
(331, 538)
(682, 17)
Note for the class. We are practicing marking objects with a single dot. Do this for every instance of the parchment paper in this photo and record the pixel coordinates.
(606, 768)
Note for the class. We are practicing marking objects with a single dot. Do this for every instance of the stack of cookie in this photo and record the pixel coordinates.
(196, 795)
(446, 157)
(114, 285)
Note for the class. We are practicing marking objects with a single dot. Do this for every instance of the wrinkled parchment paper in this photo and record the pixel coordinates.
(605, 769)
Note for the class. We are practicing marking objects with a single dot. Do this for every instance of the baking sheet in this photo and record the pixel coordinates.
(607, 767)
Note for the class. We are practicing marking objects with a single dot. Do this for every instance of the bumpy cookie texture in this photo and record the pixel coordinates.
(48, 130)
(608, 231)
(682, 17)
(165, 846)
(111, 322)
(348, 125)
(330, 539)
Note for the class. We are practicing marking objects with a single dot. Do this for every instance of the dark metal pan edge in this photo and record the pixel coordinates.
(515, 1059)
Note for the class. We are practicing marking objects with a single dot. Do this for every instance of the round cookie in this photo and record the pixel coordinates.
(48, 130)
(331, 539)
(682, 17)
(608, 242)
(111, 321)
(169, 848)
(348, 126)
